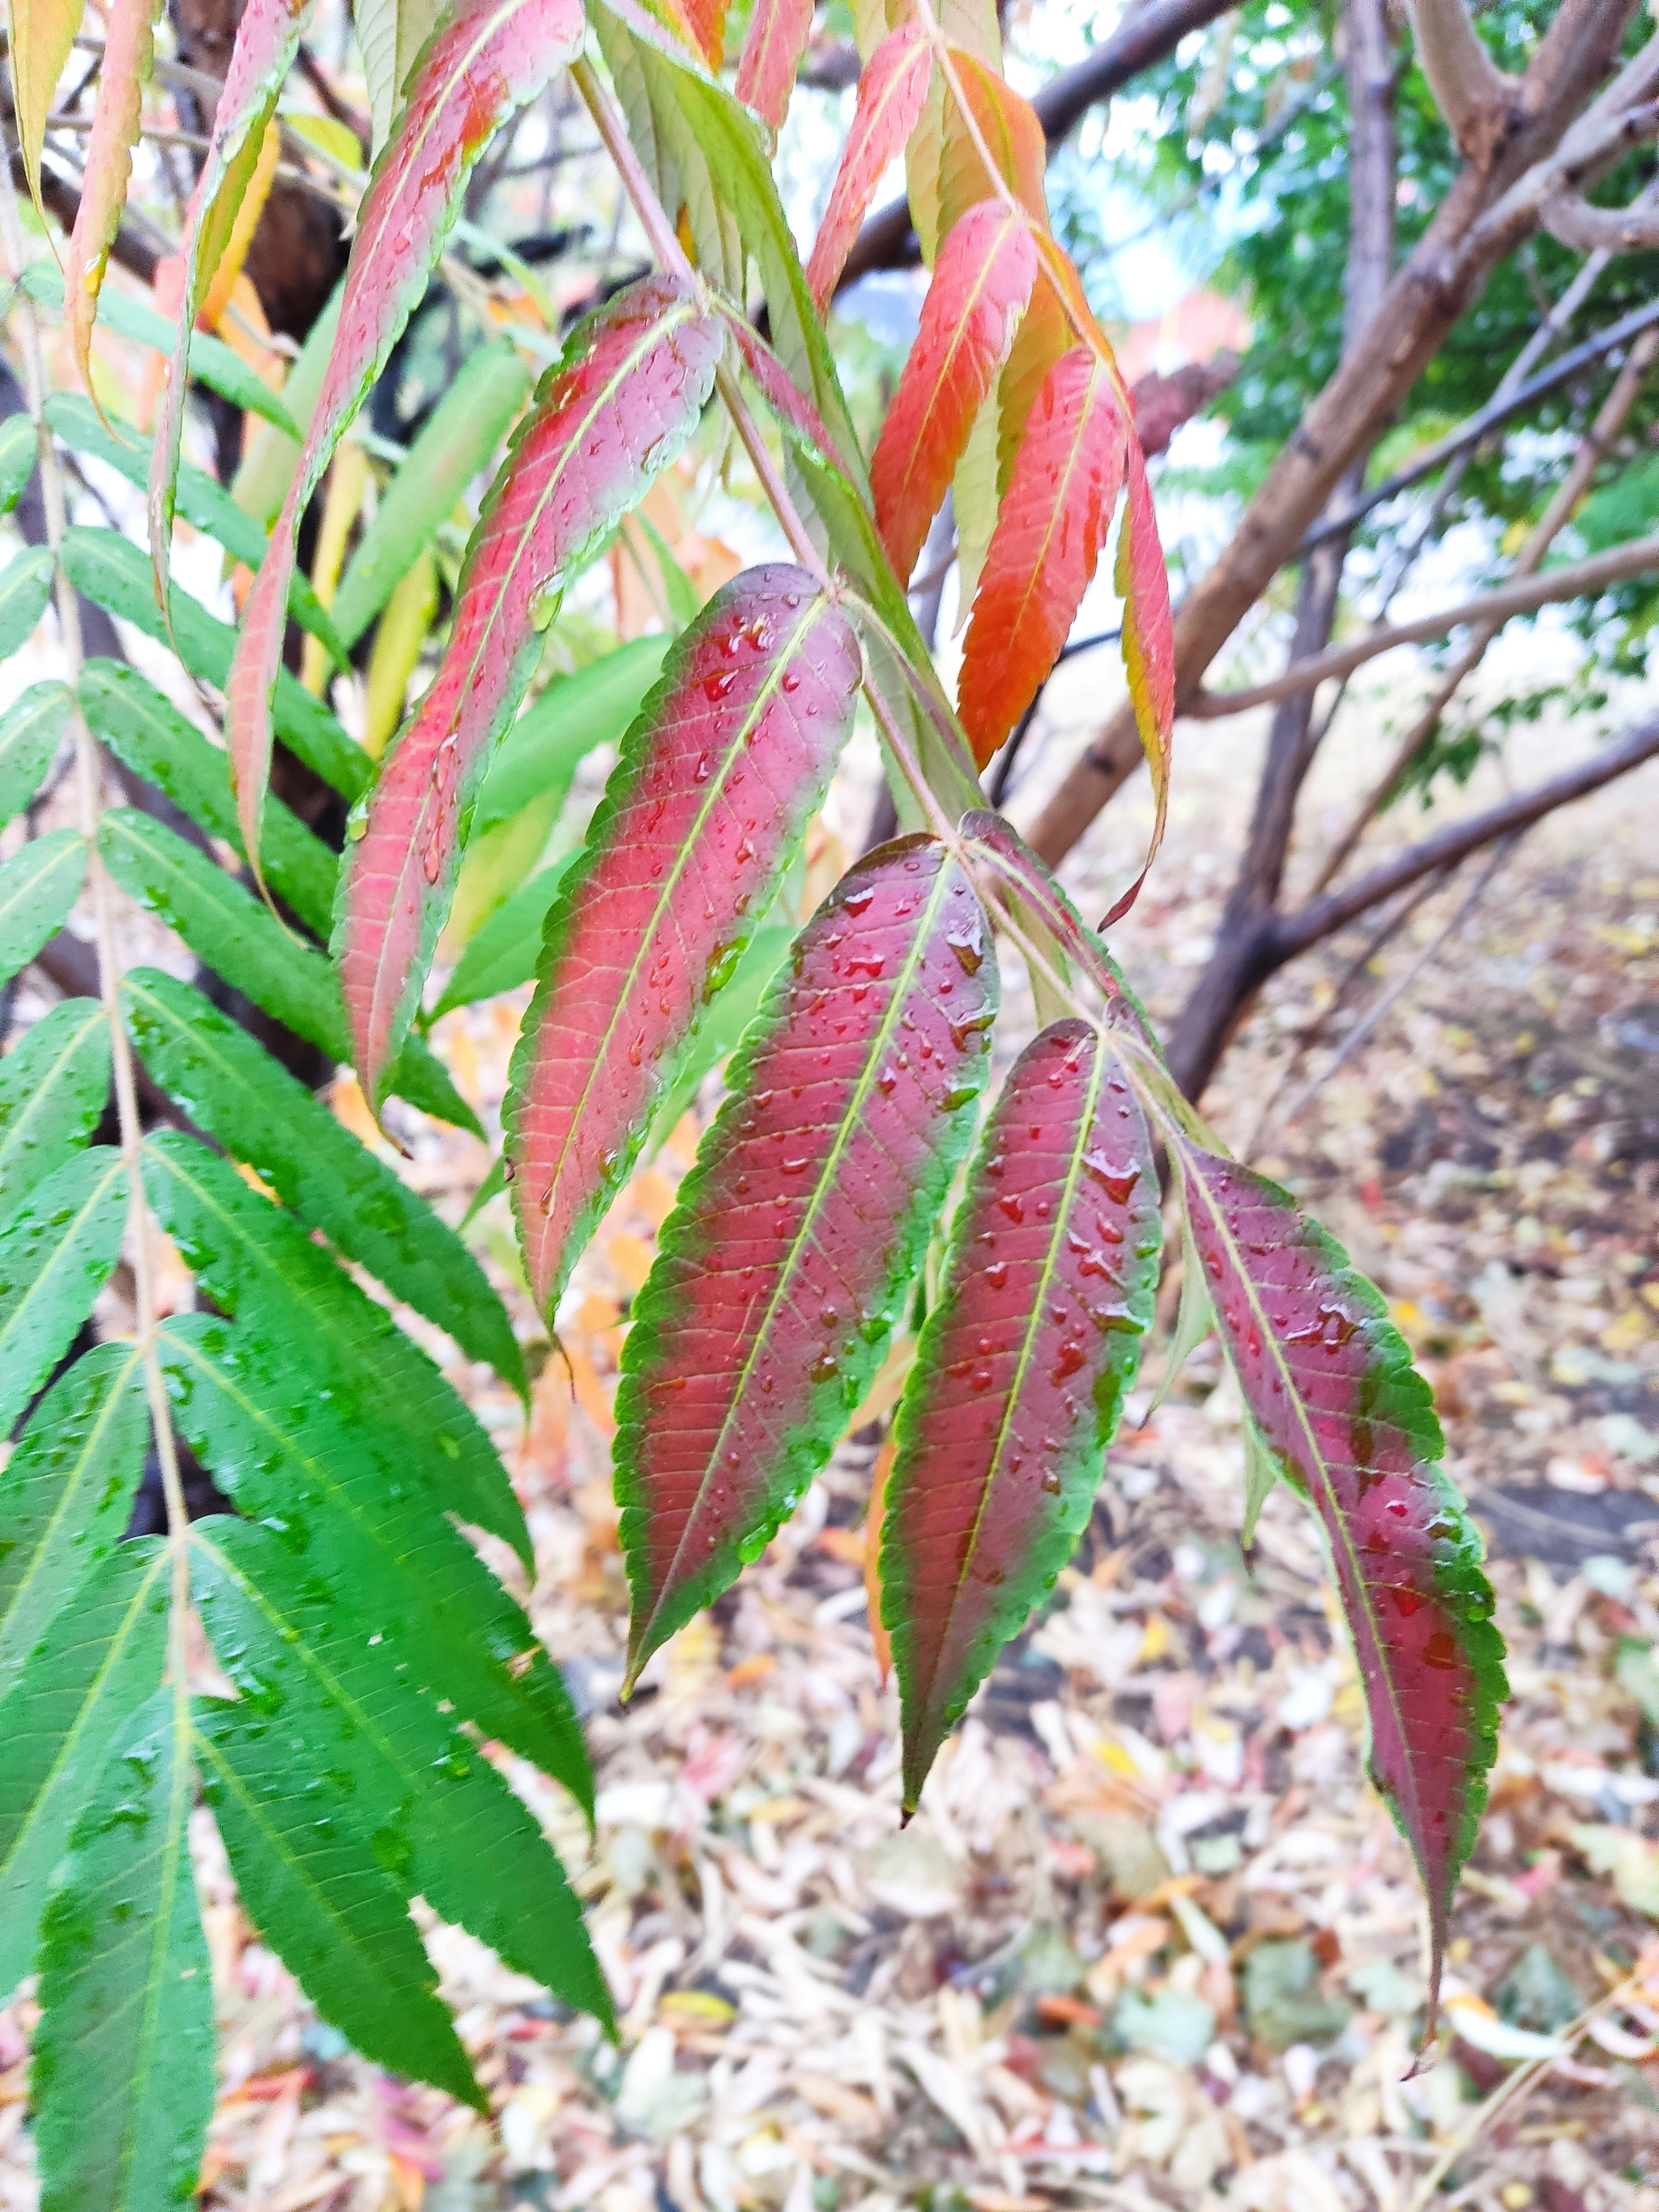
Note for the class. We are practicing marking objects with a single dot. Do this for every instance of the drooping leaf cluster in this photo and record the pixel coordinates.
(372, 1655)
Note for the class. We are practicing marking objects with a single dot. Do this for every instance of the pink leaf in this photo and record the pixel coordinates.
(891, 90)
(489, 58)
(716, 782)
(783, 1265)
(617, 410)
(777, 36)
(1020, 1376)
(1328, 1381)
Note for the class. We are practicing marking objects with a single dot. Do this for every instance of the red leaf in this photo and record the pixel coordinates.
(617, 410)
(489, 58)
(128, 47)
(1143, 583)
(716, 783)
(892, 89)
(779, 390)
(1052, 522)
(982, 281)
(776, 39)
(782, 1268)
(1330, 1383)
(706, 20)
(1020, 1376)
(266, 40)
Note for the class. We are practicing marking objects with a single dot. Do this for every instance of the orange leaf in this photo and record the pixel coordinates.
(891, 90)
(1047, 541)
(222, 283)
(982, 283)
(129, 48)
(1011, 134)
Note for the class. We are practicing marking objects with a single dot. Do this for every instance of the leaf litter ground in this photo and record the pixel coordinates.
(1150, 1941)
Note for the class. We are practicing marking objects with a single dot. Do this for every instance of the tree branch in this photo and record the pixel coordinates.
(1477, 101)
(1523, 596)
(1428, 294)
(1497, 411)
(1146, 36)
(1589, 229)
(1320, 916)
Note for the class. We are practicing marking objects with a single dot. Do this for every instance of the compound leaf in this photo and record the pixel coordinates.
(25, 588)
(54, 1087)
(123, 2075)
(319, 1895)
(229, 928)
(37, 886)
(149, 733)
(31, 730)
(387, 1760)
(56, 1250)
(67, 1491)
(982, 282)
(717, 779)
(1019, 1376)
(796, 1234)
(1329, 1380)
(257, 1264)
(277, 1447)
(488, 57)
(94, 1667)
(110, 569)
(618, 407)
(232, 1089)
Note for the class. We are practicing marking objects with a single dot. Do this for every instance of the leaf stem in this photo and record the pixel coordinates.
(659, 233)
(89, 806)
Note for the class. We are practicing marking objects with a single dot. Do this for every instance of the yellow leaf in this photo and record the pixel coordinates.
(42, 32)
(398, 637)
(222, 283)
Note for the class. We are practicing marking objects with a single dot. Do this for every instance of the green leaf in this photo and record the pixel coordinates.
(240, 939)
(594, 707)
(149, 733)
(255, 1261)
(31, 730)
(201, 502)
(231, 1088)
(319, 1896)
(54, 1086)
(467, 424)
(37, 886)
(210, 359)
(503, 950)
(66, 1495)
(1194, 1319)
(20, 450)
(290, 1457)
(123, 2074)
(110, 570)
(56, 1253)
(25, 588)
(267, 470)
(432, 1810)
(98, 1662)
